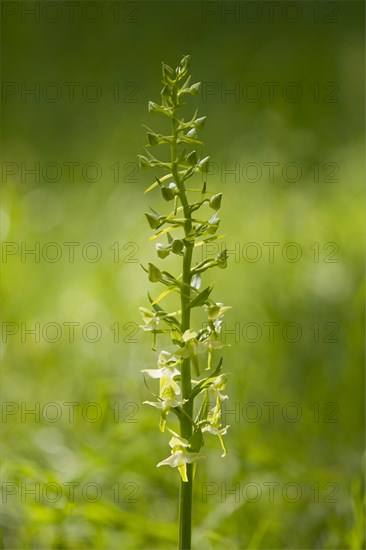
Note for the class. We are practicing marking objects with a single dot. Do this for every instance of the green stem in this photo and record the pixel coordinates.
(186, 488)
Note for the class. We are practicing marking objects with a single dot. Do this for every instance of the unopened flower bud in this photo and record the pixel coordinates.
(222, 259)
(168, 193)
(195, 88)
(177, 246)
(213, 312)
(200, 122)
(162, 250)
(153, 138)
(154, 273)
(153, 220)
(213, 227)
(192, 158)
(215, 201)
(153, 107)
(167, 71)
(203, 162)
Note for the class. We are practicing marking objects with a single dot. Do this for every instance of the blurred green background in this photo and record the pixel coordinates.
(80, 471)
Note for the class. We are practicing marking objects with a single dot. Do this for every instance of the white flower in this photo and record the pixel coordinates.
(166, 403)
(216, 430)
(149, 318)
(190, 348)
(166, 358)
(193, 346)
(169, 388)
(180, 457)
(166, 373)
(163, 373)
(189, 335)
(168, 400)
(212, 422)
(218, 385)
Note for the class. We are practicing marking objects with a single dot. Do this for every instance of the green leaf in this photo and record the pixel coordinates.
(206, 381)
(205, 408)
(202, 297)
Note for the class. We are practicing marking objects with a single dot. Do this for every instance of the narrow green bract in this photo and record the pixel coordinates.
(195, 402)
